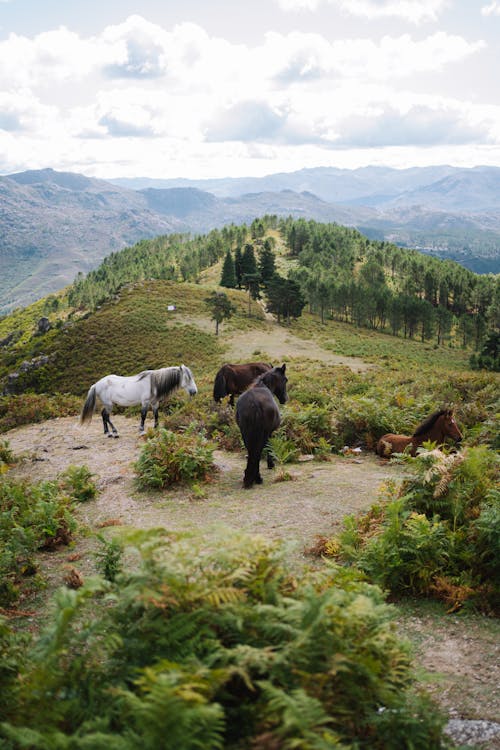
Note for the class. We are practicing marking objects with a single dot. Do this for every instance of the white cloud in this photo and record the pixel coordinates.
(302, 57)
(143, 99)
(493, 9)
(413, 11)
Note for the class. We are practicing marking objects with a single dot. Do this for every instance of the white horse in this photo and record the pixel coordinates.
(146, 388)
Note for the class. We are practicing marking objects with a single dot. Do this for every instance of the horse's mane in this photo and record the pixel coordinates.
(429, 423)
(259, 380)
(163, 380)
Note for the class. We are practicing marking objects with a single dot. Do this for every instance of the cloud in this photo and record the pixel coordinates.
(245, 121)
(413, 11)
(305, 57)
(493, 9)
(145, 97)
(125, 128)
(420, 125)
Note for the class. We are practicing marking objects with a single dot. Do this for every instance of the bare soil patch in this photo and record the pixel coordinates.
(273, 343)
(311, 503)
(276, 343)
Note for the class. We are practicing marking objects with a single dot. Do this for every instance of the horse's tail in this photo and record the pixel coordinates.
(220, 389)
(89, 406)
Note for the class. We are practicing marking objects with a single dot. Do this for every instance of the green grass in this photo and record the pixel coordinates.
(390, 352)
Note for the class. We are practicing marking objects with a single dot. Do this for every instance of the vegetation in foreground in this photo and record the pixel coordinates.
(34, 517)
(215, 649)
(438, 535)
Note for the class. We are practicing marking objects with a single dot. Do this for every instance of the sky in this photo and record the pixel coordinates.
(223, 88)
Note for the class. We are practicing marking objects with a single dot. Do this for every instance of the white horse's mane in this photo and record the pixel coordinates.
(164, 380)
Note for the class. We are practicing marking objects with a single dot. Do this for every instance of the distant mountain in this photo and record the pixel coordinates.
(368, 185)
(55, 224)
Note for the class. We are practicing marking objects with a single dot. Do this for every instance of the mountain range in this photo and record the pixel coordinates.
(56, 224)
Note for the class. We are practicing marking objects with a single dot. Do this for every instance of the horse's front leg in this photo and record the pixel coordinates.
(269, 457)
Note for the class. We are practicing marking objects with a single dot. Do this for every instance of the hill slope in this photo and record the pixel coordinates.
(54, 225)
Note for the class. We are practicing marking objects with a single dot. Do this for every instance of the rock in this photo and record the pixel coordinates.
(44, 325)
(466, 732)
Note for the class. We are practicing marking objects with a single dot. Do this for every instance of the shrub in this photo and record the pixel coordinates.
(168, 458)
(7, 457)
(438, 536)
(306, 426)
(219, 648)
(30, 407)
(32, 517)
(282, 450)
(362, 420)
(109, 557)
(78, 482)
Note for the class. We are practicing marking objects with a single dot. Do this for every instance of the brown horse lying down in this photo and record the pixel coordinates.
(257, 415)
(231, 380)
(440, 425)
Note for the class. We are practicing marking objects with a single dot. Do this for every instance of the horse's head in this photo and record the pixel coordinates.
(450, 427)
(276, 381)
(187, 381)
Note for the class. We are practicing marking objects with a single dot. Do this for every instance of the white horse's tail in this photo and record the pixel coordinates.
(89, 406)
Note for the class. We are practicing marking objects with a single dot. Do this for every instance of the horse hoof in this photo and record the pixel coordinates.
(116, 436)
(259, 480)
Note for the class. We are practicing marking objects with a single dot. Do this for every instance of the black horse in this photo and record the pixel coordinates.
(231, 380)
(257, 415)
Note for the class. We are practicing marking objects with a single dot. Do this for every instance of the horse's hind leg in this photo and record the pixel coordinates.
(108, 423)
(252, 475)
(144, 411)
(252, 471)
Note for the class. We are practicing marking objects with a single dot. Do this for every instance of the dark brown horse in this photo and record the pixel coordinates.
(436, 428)
(231, 380)
(257, 415)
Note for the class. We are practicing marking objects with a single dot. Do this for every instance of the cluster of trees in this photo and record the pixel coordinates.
(175, 257)
(375, 284)
(258, 275)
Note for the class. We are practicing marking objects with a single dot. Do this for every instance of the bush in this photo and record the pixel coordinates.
(437, 536)
(78, 482)
(7, 457)
(306, 426)
(361, 420)
(32, 517)
(29, 408)
(168, 458)
(219, 648)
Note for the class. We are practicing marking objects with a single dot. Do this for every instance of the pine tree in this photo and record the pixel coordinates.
(267, 262)
(228, 276)
(284, 298)
(238, 259)
(248, 261)
(220, 307)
